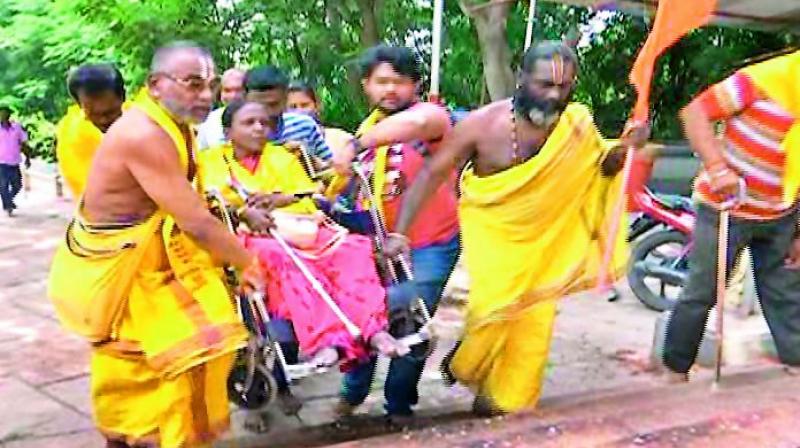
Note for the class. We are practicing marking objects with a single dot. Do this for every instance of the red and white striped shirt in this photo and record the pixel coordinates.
(755, 126)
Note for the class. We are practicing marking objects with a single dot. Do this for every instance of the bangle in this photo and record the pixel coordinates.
(719, 173)
(716, 165)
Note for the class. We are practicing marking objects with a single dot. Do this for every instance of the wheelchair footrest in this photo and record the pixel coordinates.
(302, 370)
(423, 335)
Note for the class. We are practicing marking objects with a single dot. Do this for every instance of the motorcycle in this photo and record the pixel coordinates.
(659, 261)
(661, 232)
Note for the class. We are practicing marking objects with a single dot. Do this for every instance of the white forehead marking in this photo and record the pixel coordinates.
(205, 67)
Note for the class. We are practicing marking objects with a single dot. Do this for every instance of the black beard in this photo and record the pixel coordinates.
(394, 111)
(540, 113)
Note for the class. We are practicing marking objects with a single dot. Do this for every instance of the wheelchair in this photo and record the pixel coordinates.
(252, 382)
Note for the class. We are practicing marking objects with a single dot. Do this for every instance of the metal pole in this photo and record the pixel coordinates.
(436, 48)
(529, 29)
(722, 276)
(354, 331)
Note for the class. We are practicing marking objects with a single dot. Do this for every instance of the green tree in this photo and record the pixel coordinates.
(321, 40)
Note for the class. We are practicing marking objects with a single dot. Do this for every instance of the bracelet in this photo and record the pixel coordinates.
(719, 173)
(716, 165)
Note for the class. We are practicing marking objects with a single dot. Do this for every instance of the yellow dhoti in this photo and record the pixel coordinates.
(531, 234)
(160, 319)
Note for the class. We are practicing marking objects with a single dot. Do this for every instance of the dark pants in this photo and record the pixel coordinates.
(778, 288)
(432, 266)
(10, 185)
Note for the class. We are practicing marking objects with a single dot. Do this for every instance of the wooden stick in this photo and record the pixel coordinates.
(436, 48)
(722, 277)
(529, 28)
(603, 280)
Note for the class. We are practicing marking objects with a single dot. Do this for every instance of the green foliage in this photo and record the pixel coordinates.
(320, 41)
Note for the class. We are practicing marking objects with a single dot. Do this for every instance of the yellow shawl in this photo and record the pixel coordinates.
(779, 79)
(278, 171)
(380, 160)
(339, 183)
(535, 231)
(145, 288)
(77, 140)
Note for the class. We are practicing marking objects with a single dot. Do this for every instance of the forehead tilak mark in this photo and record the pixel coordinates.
(558, 69)
(205, 67)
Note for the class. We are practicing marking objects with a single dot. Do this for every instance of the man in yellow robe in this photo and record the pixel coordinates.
(538, 188)
(138, 274)
(99, 91)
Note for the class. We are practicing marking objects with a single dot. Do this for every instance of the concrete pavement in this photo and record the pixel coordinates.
(44, 379)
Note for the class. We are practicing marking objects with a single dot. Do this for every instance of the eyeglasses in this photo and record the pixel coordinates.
(195, 84)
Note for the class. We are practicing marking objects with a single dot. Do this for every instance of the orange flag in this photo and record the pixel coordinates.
(674, 19)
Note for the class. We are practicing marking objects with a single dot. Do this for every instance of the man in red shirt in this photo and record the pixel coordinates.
(751, 150)
(392, 145)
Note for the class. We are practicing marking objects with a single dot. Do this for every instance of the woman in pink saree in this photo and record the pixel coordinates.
(277, 198)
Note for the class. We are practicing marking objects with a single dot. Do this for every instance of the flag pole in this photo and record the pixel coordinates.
(529, 27)
(674, 19)
(436, 49)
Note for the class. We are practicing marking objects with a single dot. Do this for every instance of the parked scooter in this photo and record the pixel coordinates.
(661, 231)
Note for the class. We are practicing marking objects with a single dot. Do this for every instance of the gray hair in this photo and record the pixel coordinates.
(164, 53)
(546, 50)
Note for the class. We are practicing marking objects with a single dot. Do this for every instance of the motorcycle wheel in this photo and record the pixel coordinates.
(660, 247)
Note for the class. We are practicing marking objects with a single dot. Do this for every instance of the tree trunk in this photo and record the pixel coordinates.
(490, 22)
(369, 23)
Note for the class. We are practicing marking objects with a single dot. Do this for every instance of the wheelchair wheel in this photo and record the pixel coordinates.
(261, 392)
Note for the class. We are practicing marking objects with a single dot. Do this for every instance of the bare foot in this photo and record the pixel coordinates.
(669, 376)
(257, 422)
(387, 345)
(343, 410)
(326, 357)
(400, 420)
(676, 377)
(792, 370)
(288, 403)
(483, 407)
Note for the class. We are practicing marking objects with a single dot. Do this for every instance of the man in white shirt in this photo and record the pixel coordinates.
(210, 132)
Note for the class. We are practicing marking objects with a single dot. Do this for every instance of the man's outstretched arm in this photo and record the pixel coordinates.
(424, 121)
(157, 168)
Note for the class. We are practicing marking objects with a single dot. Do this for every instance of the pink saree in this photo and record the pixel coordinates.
(346, 269)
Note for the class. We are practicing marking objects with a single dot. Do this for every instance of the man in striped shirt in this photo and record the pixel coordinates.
(268, 85)
(750, 150)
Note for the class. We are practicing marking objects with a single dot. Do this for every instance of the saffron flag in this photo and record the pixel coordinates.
(674, 19)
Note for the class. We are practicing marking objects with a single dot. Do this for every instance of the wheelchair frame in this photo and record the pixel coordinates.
(253, 370)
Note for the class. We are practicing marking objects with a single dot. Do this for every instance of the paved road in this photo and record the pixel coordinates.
(43, 370)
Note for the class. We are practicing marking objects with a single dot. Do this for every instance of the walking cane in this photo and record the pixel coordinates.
(722, 276)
